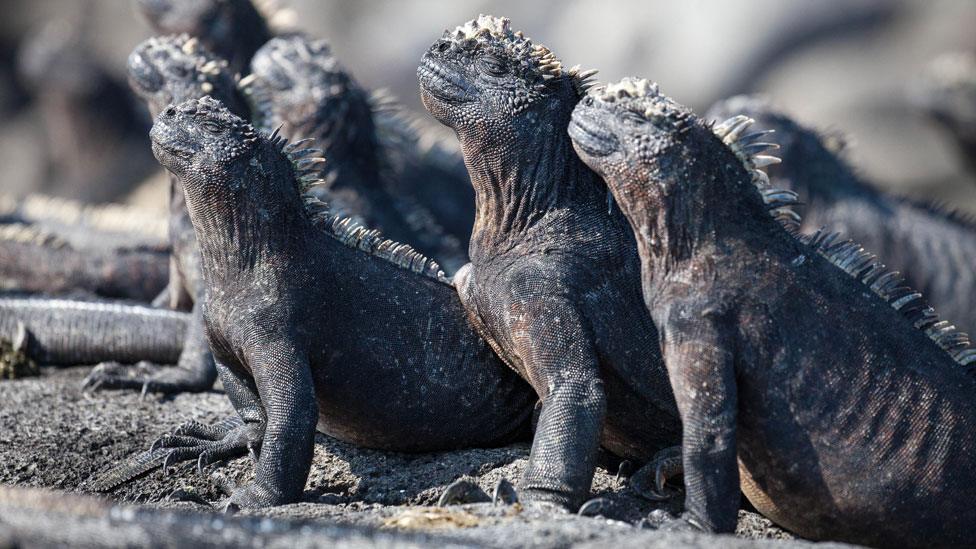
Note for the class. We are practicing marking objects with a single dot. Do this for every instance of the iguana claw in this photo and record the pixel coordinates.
(462, 491)
(663, 466)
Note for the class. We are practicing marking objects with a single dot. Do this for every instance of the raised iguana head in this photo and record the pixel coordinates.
(234, 29)
(659, 159)
(482, 77)
(242, 186)
(176, 68)
(298, 85)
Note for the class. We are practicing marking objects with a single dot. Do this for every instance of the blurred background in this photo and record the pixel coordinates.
(842, 65)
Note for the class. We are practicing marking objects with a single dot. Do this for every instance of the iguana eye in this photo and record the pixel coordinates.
(632, 119)
(493, 65)
(210, 127)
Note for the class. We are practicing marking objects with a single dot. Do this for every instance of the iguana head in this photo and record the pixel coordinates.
(231, 28)
(174, 69)
(482, 75)
(204, 144)
(628, 131)
(650, 150)
(298, 85)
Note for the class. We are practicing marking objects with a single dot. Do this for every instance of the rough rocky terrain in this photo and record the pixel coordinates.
(56, 436)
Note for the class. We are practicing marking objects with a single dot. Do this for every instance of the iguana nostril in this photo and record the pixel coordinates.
(443, 46)
(170, 111)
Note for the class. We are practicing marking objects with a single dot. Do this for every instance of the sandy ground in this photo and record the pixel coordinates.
(55, 436)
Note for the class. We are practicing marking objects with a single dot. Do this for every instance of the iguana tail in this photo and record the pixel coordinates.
(66, 332)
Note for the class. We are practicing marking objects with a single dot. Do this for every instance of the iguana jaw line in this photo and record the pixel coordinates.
(588, 136)
(443, 83)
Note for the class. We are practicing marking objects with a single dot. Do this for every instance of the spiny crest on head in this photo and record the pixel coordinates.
(890, 286)
(208, 65)
(538, 59)
(752, 151)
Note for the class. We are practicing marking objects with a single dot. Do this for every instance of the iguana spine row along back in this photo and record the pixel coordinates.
(934, 249)
(286, 278)
(807, 375)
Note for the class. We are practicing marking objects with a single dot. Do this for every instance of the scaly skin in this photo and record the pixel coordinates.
(316, 322)
(163, 70)
(809, 386)
(298, 85)
(933, 249)
(69, 332)
(232, 29)
(554, 281)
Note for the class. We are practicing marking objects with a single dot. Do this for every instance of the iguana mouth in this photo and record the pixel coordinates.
(593, 140)
(443, 83)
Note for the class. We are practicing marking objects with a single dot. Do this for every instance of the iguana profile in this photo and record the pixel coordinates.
(934, 249)
(296, 84)
(315, 321)
(554, 281)
(803, 369)
(163, 70)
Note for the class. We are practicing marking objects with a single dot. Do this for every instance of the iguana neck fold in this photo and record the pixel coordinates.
(524, 172)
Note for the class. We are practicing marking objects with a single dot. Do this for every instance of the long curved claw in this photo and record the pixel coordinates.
(504, 493)
(186, 495)
(169, 450)
(462, 491)
(624, 470)
(665, 465)
(593, 507)
(145, 377)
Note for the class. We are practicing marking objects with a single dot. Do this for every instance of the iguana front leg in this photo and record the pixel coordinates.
(284, 382)
(556, 351)
(195, 371)
(702, 373)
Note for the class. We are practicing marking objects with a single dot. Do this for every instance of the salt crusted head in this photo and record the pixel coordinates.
(484, 71)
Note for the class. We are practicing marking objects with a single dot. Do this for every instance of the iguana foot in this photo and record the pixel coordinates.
(504, 493)
(252, 496)
(146, 377)
(650, 481)
(210, 443)
(462, 491)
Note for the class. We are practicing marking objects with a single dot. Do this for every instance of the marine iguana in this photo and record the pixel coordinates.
(163, 70)
(802, 368)
(35, 260)
(934, 249)
(232, 29)
(314, 320)
(554, 278)
(296, 84)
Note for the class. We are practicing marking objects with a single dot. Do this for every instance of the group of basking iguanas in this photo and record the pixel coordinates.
(632, 282)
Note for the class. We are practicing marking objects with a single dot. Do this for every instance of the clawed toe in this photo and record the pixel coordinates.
(665, 465)
(504, 493)
(462, 491)
(594, 507)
